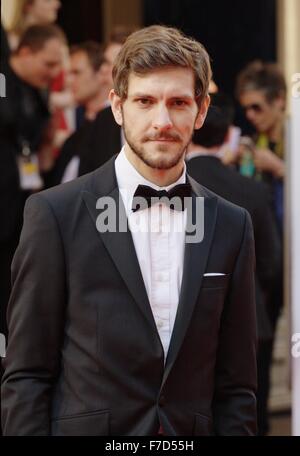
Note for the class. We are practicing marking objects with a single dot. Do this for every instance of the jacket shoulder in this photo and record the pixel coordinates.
(223, 204)
(99, 182)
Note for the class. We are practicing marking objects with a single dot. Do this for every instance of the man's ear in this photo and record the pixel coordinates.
(116, 107)
(25, 51)
(280, 102)
(202, 112)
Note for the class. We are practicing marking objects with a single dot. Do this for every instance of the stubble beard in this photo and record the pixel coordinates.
(165, 161)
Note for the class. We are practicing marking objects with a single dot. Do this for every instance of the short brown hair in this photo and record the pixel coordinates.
(93, 51)
(265, 77)
(156, 47)
(37, 36)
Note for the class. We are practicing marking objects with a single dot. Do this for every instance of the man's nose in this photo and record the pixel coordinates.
(54, 73)
(162, 119)
(250, 114)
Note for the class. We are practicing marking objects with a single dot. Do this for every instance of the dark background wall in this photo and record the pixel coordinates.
(233, 31)
(82, 20)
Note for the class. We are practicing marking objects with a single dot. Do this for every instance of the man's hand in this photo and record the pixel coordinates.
(266, 160)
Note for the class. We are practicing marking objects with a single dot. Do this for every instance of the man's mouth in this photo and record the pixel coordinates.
(163, 139)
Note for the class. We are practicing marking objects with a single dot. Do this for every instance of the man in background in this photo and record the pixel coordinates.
(86, 80)
(89, 84)
(204, 164)
(98, 132)
(261, 91)
(24, 118)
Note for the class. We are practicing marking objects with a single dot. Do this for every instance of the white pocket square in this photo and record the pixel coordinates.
(213, 274)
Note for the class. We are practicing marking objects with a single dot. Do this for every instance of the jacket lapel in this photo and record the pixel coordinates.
(120, 246)
(121, 249)
(195, 260)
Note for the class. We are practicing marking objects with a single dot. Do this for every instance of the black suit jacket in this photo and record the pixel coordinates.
(255, 197)
(84, 355)
(94, 143)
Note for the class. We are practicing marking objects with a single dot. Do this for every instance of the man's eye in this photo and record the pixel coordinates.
(179, 103)
(144, 101)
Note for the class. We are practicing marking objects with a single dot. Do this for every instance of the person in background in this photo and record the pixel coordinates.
(28, 13)
(261, 91)
(87, 83)
(43, 12)
(85, 78)
(24, 117)
(80, 153)
(204, 164)
(5, 50)
(111, 50)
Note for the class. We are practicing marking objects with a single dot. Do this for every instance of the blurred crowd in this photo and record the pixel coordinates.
(56, 125)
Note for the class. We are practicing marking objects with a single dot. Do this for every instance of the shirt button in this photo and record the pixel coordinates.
(162, 277)
(160, 323)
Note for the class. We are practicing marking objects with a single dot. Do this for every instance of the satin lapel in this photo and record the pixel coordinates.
(121, 249)
(195, 260)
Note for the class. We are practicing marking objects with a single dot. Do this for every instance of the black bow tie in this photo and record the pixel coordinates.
(145, 196)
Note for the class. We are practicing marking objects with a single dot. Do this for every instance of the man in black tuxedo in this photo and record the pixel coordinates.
(142, 327)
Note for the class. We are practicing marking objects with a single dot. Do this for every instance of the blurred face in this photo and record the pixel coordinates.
(110, 55)
(41, 67)
(83, 80)
(159, 115)
(263, 115)
(43, 11)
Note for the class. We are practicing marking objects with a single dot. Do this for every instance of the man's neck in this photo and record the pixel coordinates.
(159, 177)
(275, 133)
(16, 66)
(95, 105)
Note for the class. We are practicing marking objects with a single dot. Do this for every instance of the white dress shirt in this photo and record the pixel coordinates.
(159, 238)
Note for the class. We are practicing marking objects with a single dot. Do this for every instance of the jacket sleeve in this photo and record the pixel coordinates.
(35, 322)
(234, 404)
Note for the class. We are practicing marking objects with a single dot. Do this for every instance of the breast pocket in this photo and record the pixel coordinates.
(221, 281)
(83, 424)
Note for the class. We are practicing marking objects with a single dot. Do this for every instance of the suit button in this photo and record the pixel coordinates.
(162, 401)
